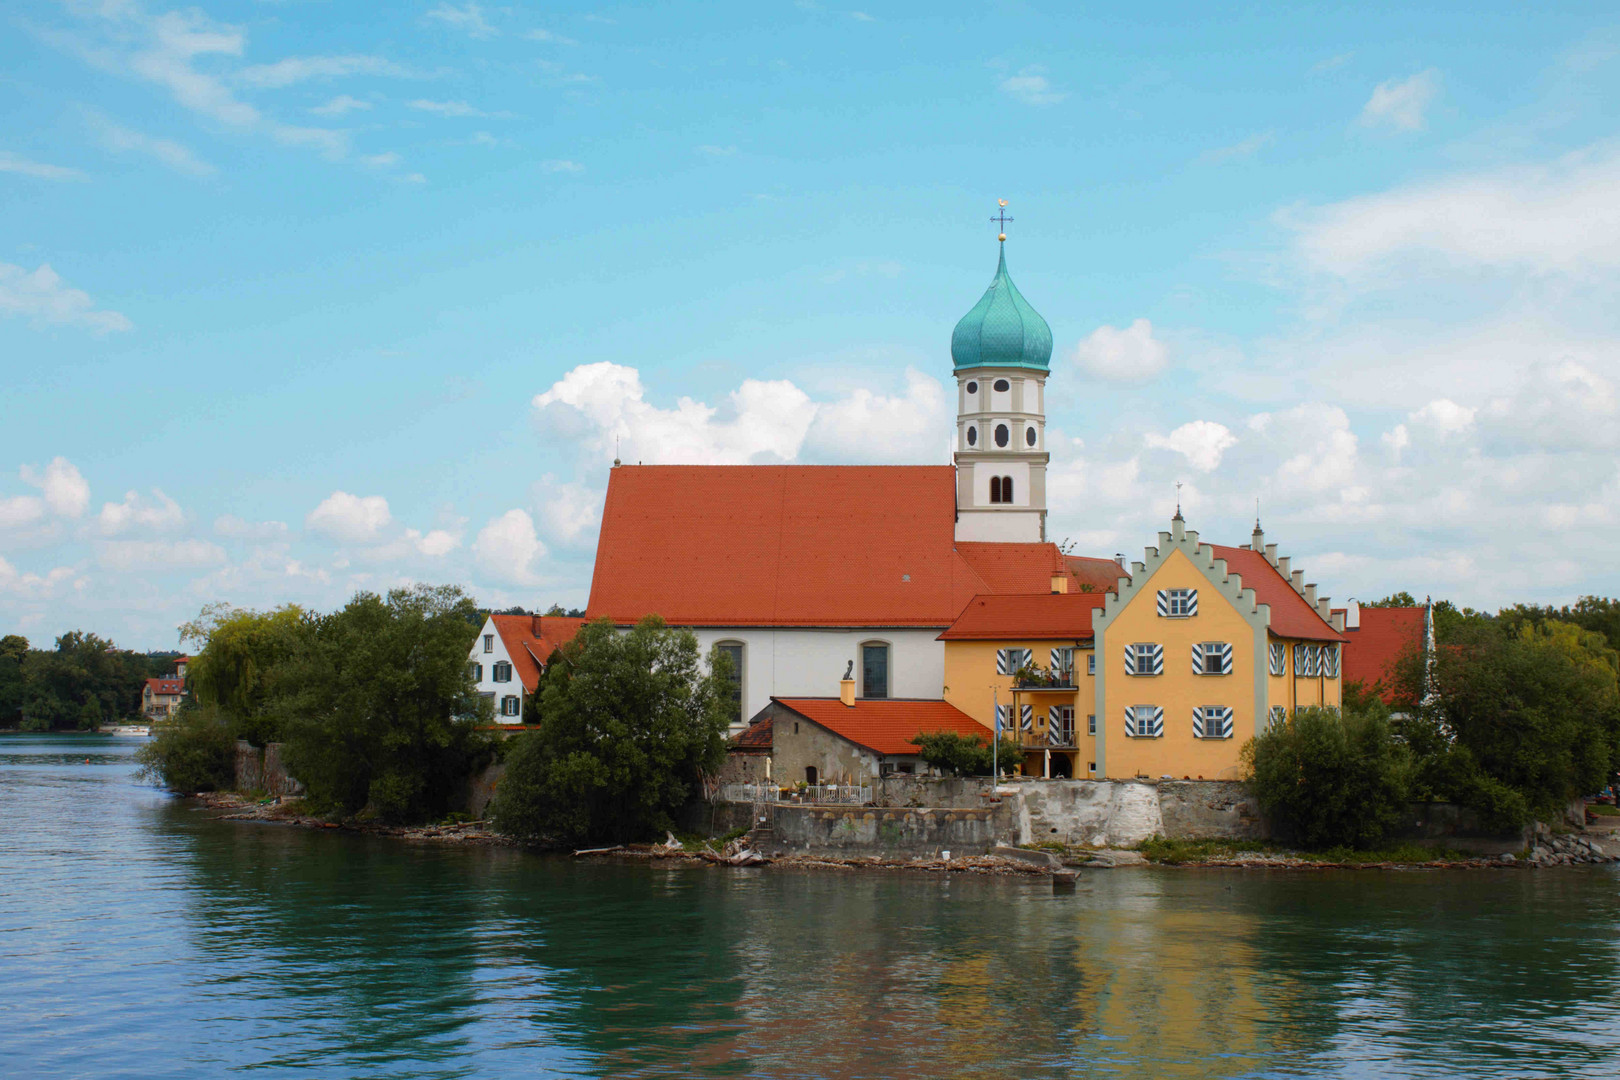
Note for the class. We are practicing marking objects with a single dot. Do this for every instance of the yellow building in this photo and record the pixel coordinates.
(1030, 659)
(1200, 650)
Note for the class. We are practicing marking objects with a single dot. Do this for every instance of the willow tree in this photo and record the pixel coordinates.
(235, 672)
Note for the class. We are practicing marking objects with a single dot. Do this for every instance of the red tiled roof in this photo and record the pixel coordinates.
(531, 639)
(1011, 617)
(166, 686)
(1103, 574)
(756, 739)
(885, 727)
(1291, 616)
(1013, 568)
(1370, 651)
(787, 545)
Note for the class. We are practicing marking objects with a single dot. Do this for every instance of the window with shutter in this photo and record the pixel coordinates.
(1212, 722)
(1330, 661)
(1178, 603)
(1279, 658)
(1144, 721)
(1212, 658)
(1279, 715)
(1144, 658)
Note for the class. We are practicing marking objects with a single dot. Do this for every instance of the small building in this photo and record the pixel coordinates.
(161, 698)
(748, 754)
(851, 740)
(1376, 640)
(509, 655)
(1028, 662)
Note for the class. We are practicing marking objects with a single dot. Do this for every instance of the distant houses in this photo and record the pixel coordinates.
(509, 655)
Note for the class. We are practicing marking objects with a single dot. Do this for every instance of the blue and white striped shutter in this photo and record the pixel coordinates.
(1054, 725)
(1158, 660)
(1004, 661)
(1279, 715)
(1130, 659)
(1025, 657)
(1003, 718)
(1302, 661)
(1226, 658)
(1026, 718)
(1192, 601)
(1198, 721)
(1330, 661)
(1316, 661)
(1218, 722)
(1198, 658)
(1155, 723)
(1279, 658)
(1164, 603)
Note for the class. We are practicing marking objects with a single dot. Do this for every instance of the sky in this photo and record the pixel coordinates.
(299, 299)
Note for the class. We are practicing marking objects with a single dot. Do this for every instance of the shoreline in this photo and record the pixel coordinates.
(1024, 862)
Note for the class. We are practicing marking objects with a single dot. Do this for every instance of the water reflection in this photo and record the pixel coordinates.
(139, 937)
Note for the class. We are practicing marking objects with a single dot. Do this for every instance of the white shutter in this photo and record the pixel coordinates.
(1026, 718)
(1226, 658)
(1164, 603)
(1279, 658)
(1330, 661)
(1155, 721)
(1198, 721)
(1158, 659)
(1025, 658)
(1003, 717)
(1004, 661)
(1130, 659)
(1198, 658)
(1192, 602)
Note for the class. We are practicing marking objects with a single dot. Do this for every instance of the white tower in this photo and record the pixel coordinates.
(1001, 350)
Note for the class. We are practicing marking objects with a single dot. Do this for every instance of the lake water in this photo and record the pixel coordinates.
(139, 938)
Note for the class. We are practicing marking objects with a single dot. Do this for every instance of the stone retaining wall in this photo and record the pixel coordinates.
(263, 770)
(889, 831)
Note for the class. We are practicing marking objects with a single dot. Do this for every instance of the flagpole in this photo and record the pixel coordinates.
(995, 744)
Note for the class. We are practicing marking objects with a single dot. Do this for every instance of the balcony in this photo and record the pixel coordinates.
(1039, 678)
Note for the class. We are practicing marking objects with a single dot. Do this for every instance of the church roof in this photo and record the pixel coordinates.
(1002, 330)
(796, 545)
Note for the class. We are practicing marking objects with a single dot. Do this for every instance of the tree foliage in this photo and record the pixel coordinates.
(956, 754)
(632, 723)
(1331, 779)
(83, 682)
(243, 654)
(197, 752)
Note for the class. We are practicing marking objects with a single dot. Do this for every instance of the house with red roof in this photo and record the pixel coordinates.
(1377, 639)
(160, 698)
(510, 654)
(851, 740)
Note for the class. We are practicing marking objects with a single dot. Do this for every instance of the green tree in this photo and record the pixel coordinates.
(243, 654)
(13, 689)
(967, 755)
(1330, 779)
(632, 723)
(377, 708)
(197, 752)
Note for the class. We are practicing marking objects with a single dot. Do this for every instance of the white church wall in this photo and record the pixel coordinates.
(809, 662)
(999, 526)
(984, 470)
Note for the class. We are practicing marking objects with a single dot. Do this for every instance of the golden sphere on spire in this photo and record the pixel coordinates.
(1002, 237)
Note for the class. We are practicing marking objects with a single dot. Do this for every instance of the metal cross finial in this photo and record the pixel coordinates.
(1001, 218)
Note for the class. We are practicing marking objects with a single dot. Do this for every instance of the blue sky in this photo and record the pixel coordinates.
(350, 295)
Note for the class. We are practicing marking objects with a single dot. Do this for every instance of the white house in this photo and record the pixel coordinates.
(509, 655)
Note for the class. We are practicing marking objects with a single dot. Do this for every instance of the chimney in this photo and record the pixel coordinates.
(1060, 583)
(534, 625)
(1339, 615)
(846, 692)
(1119, 557)
(1352, 615)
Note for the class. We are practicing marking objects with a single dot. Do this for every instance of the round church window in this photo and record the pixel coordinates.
(1002, 386)
(1002, 434)
(973, 388)
(1029, 436)
(973, 436)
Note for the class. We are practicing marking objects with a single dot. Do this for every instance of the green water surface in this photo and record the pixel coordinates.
(141, 938)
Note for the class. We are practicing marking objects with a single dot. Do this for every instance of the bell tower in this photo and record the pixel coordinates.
(1001, 351)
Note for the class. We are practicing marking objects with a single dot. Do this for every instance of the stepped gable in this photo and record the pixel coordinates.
(531, 639)
(1372, 649)
(1013, 617)
(781, 545)
(1291, 615)
(884, 726)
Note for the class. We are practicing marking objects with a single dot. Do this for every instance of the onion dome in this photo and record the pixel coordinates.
(1002, 330)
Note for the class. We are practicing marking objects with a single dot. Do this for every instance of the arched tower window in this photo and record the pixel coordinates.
(1003, 435)
(995, 489)
(1006, 489)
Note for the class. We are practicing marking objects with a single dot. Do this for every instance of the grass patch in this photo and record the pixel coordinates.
(1177, 852)
(694, 842)
(1602, 810)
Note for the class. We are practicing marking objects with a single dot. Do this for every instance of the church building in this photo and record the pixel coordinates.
(938, 584)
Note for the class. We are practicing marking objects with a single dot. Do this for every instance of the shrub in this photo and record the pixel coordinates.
(632, 722)
(966, 755)
(193, 753)
(1329, 779)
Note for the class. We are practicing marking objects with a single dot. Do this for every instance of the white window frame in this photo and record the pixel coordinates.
(1091, 724)
(501, 672)
(1181, 603)
(1139, 728)
(1221, 651)
(489, 643)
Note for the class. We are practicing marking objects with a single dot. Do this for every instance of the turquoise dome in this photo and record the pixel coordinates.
(1002, 330)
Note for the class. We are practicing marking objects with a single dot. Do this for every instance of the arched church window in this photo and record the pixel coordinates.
(973, 388)
(1002, 386)
(1029, 436)
(1002, 435)
(973, 435)
(1006, 489)
(995, 489)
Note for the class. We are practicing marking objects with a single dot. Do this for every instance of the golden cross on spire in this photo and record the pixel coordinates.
(1001, 218)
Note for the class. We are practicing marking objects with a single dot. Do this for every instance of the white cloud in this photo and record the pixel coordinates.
(167, 151)
(128, 555)
(1400, 103)
(1244, 148)
(17, 511)
(549, 38)
(876, 428)
(296, 69)
(1201, 442)
(1444, 416)
(508, 549)
(349, 518)
(66, 492)
(1315, 444)
(1032, 87)
(381, 161)
(339, 105)
(1129, 354)
(33, 586)
(468, 18)
(39, 170)
(435, 542)
(570, 512)
(235, 528)
(561, 166)
(159, 514)
(446, 108)
(43, 297)
(1550, 219)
